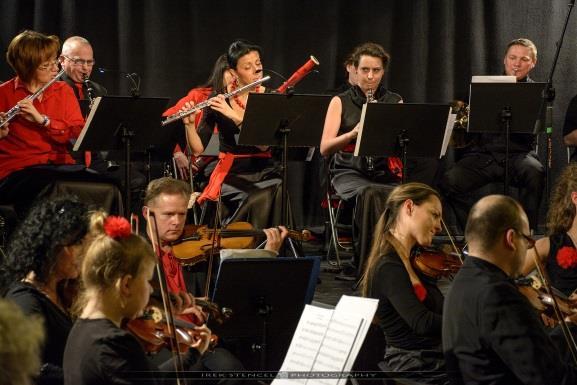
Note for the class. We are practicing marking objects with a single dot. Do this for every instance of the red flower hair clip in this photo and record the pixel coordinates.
(567, 257)
(117, 227)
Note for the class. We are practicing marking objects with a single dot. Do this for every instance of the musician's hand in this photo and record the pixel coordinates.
(182, 164)
(189, 119)
(29, 112)
(4, 130)
(219, 104)
(275, 237)
(354, 132)
(183, 303)
(548, 321)
(203, 342)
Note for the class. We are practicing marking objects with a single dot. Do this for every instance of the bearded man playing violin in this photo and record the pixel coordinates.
(491, 333)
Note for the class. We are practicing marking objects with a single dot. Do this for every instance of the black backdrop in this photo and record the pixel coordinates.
(435, 45)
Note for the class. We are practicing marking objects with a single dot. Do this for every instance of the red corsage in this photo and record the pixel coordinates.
(420, 291)
(567, 257)
(117, 227)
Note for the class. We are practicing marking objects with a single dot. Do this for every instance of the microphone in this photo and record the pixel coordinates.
(133, 77)
(299, 74)
(104, 70)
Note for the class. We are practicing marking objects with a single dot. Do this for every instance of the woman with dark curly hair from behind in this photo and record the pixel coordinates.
(42, 257)
(557, 252)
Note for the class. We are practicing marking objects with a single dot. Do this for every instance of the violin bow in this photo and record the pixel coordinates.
(452, 240)
(179, 367)
(547, 284)
(215, 244)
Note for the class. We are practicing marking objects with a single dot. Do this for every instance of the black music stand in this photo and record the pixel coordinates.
(284, 121)
(128, 124)
(509, 107)
(391, 129)
(266, 297)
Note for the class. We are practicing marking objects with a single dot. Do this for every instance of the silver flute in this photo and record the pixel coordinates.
(200, 106)
(11, 113)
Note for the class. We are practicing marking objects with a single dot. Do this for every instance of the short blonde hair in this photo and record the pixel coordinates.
(21, 339)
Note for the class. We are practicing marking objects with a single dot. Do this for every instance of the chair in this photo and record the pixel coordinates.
(335, 206)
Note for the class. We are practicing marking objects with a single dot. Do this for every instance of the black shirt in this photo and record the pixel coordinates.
(352, 102)
(492, 335)
(57, 325)
(561, 278)
(407, 322)
(98, 352)
(228, 133)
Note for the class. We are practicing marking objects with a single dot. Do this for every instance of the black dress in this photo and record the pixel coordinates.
(352, 178)
(564, 279)
(57, 325)
(98, 352)
(412, 328)
(250, 191)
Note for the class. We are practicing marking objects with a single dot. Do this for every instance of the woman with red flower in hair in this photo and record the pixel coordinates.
(558, 252)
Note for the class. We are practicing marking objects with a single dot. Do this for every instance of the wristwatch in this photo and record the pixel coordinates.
(45, 121)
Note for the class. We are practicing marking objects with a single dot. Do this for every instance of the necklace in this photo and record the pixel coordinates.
(236, 98)
(50, 294)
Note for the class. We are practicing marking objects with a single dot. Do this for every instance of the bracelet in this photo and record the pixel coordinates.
(45, 121)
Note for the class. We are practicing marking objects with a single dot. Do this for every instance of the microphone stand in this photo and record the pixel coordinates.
(547, 105)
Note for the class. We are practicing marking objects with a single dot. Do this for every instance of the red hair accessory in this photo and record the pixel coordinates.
(117, 227)
(567, 257)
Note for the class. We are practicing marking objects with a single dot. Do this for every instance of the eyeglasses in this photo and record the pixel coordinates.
(48, 66)
(530, 241)
(80, 62)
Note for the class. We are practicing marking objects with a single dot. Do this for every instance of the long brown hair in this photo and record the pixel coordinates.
(561, 208)
(382, 245)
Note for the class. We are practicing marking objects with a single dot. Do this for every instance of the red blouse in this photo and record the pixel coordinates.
(29, 144)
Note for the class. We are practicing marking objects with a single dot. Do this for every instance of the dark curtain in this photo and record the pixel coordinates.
(435, 45)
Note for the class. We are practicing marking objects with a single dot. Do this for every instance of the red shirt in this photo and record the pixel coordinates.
(29, 144)
(196, 95)
(173, 272)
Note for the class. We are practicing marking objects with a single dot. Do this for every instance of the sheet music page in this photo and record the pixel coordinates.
(93, 109)
(366, 308)
(306, 343)
(448, 133)
(361, 124)
(493, 79)
(335, 351)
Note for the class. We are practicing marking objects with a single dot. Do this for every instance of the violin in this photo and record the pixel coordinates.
(197, 240)
(436, 263)
(542, 301)
(153, 332)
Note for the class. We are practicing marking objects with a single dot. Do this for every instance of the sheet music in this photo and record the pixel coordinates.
(360, 134)
(366, 308)
(95, 104)
(327, 341)
(448, 133)
(336, 348)
(306, 343)
(493, 79)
